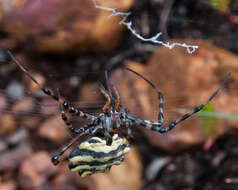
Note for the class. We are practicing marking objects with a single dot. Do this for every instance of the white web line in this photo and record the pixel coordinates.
(153, 39)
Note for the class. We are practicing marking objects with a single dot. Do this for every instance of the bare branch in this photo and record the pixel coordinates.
(129, 26)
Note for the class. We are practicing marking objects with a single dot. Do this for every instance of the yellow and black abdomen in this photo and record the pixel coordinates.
(93, 155)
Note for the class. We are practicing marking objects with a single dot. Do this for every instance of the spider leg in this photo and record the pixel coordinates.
(108, 83)
(155, 126)
(64, 116)
(106, 107)
(117, 101)
(128, 125)
(129, 133)
(64, 104)
(112, 90)
(90, 131)
(160, 96)
(126, 110)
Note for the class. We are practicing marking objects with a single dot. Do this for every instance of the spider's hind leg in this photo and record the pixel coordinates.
(89, 131)
(56, 157)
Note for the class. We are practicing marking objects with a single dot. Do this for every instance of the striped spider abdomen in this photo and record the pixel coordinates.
(93, 155)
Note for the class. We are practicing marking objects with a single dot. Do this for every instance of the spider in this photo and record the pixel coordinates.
(114, 120)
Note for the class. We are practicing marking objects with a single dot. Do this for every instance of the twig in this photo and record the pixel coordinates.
(129, 26)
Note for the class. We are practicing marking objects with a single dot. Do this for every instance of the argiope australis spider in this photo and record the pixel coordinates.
(114, 119)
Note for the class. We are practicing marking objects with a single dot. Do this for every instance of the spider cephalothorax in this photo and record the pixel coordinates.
(112, 128)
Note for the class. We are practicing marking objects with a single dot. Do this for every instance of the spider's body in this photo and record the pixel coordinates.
(115, 119)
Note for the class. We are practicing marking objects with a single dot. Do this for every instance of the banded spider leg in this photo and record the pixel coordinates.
(158, 125)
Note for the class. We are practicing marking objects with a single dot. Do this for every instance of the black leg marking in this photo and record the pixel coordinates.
(161, 108)
(63, 114)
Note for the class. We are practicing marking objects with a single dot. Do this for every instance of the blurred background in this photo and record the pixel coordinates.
(68, 44)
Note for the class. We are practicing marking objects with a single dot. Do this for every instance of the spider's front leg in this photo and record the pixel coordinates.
(107, 106)
(112, 95)
(160, 98)
(64, 106)
(170, 126)
(157, 126)
(82, 133)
